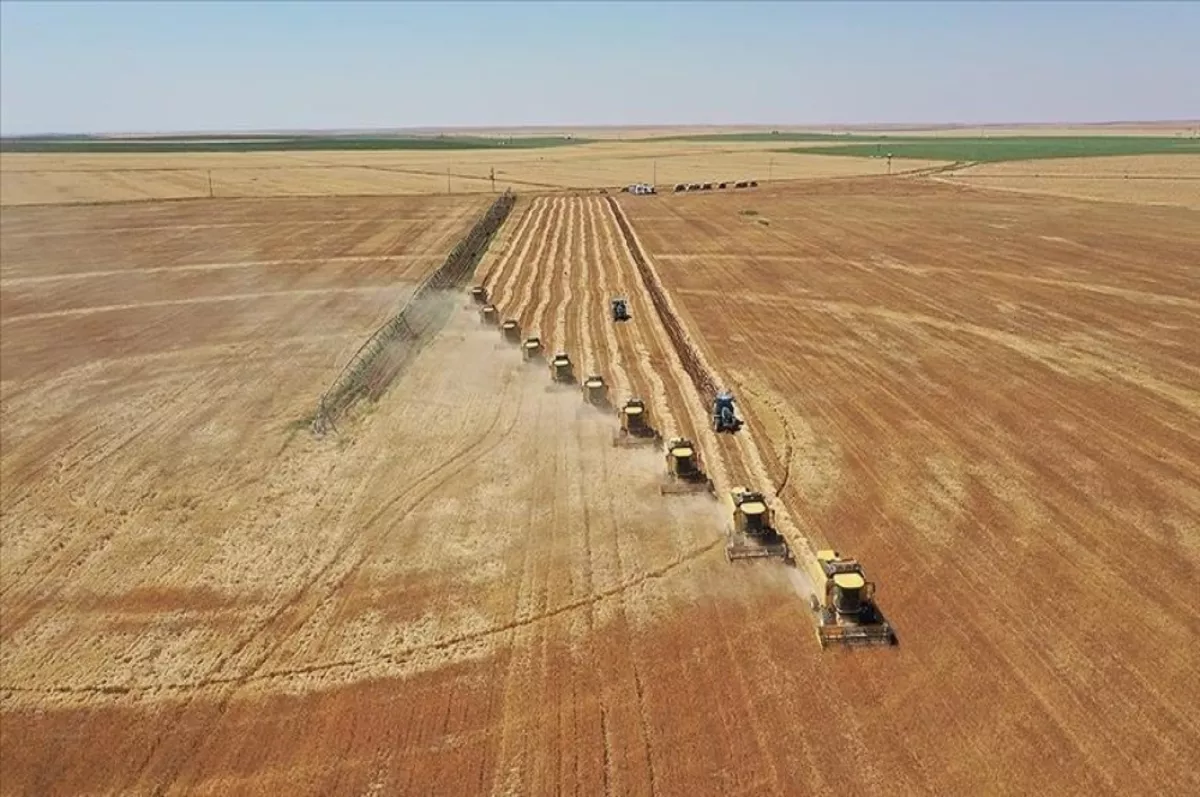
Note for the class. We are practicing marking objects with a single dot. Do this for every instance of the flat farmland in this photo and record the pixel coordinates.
(82, 177)
(994, 401)
(468, 590)
(1137, 179)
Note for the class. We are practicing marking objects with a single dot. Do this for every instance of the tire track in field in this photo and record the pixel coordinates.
(408, 501)
(80, 545)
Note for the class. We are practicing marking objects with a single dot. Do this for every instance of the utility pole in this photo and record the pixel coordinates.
(493, 176)
(210, 189)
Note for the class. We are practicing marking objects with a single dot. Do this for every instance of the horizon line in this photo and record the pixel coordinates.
(796, 127)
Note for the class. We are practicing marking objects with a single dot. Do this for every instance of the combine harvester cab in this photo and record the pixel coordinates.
(684, 473)
(489, 315)
(849, 615)
(595, 391)
(753, 534)
(479, 295)
(724, 418)
(561, 370)
(635, 428)
(531, 349)
(620, 309)
(510, 330)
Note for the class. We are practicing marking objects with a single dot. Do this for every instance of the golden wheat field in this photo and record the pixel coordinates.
(991, 398)
(1142, 179)
(42, 178)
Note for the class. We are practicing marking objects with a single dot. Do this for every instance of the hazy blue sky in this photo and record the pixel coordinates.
(146, 66)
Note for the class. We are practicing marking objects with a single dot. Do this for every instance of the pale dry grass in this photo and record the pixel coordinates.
(1138, 179)
(55, 178)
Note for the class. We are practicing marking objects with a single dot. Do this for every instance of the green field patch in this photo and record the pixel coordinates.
(1003, 148)
(263, 143)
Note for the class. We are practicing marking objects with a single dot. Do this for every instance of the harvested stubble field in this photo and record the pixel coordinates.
(994, 400)
(1141, 179)
(990, 399)
(71, 178)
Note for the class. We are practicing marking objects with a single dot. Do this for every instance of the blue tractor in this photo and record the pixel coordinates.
(724, 418)
(620, 309)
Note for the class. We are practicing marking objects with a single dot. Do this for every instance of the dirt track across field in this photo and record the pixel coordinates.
(991, 400)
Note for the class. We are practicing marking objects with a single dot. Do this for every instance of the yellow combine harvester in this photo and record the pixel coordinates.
(684, 474)
(848, 615)
(561, 369)
(479, 294)
(511, 331)
(531, 349)
(635, 427)
(753, 534)
(488, 314)
(595, 391)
